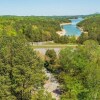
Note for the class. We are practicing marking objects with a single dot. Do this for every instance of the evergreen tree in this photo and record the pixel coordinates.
(21, 69)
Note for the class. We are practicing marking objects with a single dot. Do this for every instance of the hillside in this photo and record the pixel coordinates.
(35, 28)
(91, 27)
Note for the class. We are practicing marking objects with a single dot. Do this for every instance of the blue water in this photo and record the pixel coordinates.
(72, 29)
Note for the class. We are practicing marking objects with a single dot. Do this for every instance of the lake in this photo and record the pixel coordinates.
(72, 29)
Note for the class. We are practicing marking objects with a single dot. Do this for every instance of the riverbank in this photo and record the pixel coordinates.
(70, 29)
(64, 24)
(81, 29)
(63, 31)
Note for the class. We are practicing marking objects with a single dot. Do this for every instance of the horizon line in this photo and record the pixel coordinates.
(51, 15)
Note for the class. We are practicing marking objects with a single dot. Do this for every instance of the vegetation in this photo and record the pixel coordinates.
(76, 68)
(78, 72)
(50, 60)
(21, 70)
(91, 27)
(35, 29)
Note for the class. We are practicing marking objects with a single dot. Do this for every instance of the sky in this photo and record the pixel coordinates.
(49, 7)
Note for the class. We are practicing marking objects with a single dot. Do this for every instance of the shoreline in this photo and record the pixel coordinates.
(64, 24)
(81, 29)
(63, 31)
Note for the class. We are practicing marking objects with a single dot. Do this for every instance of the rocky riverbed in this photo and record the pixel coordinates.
(52, 85)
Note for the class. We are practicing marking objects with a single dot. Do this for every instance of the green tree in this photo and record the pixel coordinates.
(24, 68)
(80, 77)
(50, 59)
(5, 83)
(41, 95)
(63, 39)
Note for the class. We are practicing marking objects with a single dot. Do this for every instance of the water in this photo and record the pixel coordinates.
(72, 29)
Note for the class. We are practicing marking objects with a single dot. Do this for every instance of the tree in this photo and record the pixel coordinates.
(23, 68)
(98, 38)
(50, 59)
(5, 83)
(63, 39)
(90, 25)
(72, 39)
(83, 37)
(92, 70)
(42, 95)
(80, 77)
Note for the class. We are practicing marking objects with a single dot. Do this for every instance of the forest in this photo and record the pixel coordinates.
(77, 69)
(21, 70)
(34, 28)
(91, 27)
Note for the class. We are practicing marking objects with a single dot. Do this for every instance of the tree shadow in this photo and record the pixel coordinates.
(57, 91)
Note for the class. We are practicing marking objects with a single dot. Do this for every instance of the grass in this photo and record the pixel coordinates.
(49, 43)
(54, 46)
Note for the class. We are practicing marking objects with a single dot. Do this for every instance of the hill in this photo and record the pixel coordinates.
(91, 27)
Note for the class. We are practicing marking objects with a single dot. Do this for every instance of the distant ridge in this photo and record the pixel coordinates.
(68, 16)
